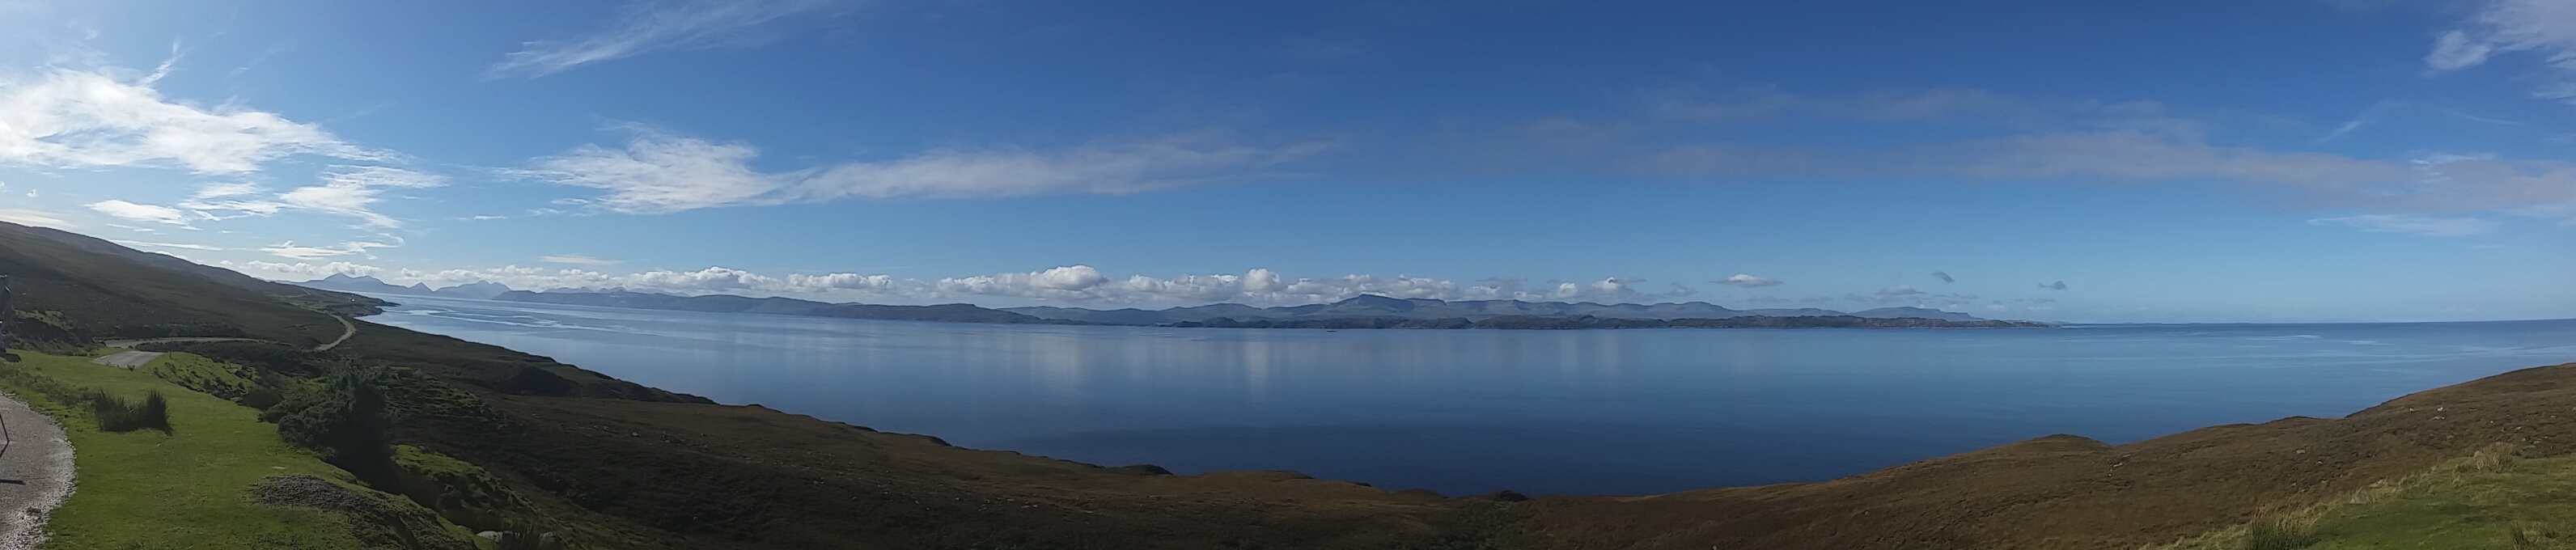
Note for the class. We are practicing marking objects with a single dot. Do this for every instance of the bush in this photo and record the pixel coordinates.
(261, 398)
(346, 421)
(116, 414)
(2279, 534)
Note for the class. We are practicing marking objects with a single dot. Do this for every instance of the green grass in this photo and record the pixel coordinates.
(2468, 504)
(183, 489)
(195, 372)
(2492, 500)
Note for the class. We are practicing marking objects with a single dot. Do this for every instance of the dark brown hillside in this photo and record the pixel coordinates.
(2066, 492)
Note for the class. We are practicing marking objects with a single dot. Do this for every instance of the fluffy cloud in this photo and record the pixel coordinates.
(2430, 226)
(1944, 276)
(144, 212)
(64, 118)
(1747, 281)
(644, 27)
(657, 172)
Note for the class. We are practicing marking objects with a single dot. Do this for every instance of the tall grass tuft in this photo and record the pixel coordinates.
(115, 414)
(2279, 534)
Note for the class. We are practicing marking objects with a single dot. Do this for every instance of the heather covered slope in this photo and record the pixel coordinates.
(2067, 492)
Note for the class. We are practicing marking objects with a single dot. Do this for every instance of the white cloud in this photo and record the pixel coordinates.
(300, 270)
(144, 212)
(2455, 50)
(167, 245)
(1071, 285)
(644, 27)
(2544, 27)
(349, 190)
(2429, 226)
(577, 259)
(290, 250)
(662, 173)
(1897, 291)
(38, 218)
(1747, 281)
(64, 118)
(219, 190)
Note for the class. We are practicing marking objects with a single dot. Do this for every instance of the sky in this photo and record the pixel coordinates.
(2191, 161)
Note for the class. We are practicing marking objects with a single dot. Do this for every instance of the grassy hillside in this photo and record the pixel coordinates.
(2493, 499)
(109, 295)
(194, 486)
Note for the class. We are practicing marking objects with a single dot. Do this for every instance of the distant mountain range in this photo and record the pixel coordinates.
(479, 290)
(1368, 311)
(1382, 307)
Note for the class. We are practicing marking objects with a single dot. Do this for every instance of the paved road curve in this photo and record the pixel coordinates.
(35, 473)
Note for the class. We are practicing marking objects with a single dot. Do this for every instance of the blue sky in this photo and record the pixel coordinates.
(2294, 160)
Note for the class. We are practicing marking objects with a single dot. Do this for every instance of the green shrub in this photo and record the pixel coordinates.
(2279, 534)
(115, 414)
(345, 419)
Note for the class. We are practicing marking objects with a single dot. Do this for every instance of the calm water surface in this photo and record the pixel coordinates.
(1472, 411)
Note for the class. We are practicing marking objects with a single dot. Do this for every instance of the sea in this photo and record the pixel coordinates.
(1464, 412)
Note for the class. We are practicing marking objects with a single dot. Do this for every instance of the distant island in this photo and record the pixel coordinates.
(1360, 312)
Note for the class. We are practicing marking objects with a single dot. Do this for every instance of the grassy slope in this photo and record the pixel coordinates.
(103, 292)
(2065, 492)
(2478, 502)
(185, 489)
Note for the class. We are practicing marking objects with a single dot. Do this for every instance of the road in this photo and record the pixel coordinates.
(129, 359)
(35, 473)
(347, 329)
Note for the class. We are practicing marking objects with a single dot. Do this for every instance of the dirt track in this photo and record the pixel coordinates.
(35, 473)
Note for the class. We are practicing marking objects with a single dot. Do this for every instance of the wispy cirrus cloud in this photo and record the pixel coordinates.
(658, 172)
(149, 213)
(656, 25)
(2543, 27)
(37, 218)
(2082, 142)
(2429, 226)
(577, 259)
(352, 190)
(64, 118)
(289, 249)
